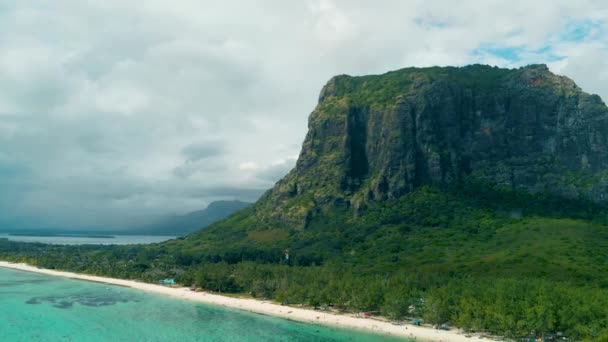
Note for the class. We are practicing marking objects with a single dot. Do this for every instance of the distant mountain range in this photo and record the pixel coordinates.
(175, 225)
(179, 225)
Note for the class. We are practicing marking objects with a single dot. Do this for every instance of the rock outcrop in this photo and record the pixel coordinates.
(374, 138)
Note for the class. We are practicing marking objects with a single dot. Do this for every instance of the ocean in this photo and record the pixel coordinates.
(82, 240)
(36, 307)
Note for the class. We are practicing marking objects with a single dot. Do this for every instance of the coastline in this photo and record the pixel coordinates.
(268, 308)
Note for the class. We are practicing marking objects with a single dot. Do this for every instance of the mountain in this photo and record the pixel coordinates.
(374, 138)
(180, 225)
(471, 195)
(531, 140)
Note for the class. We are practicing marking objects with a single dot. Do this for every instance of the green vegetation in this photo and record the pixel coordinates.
(485, 260)
(382, 90)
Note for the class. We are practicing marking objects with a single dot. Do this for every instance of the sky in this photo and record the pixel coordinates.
(114, 113)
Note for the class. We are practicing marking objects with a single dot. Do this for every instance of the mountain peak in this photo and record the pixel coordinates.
(379, 137)
(540, 66)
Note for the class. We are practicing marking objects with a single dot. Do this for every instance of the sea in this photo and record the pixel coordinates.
(36, 307)
(93, 240)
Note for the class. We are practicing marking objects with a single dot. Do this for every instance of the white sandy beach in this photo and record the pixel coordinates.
(269, 308)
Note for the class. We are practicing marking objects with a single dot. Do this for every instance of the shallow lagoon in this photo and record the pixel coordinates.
(35, 307)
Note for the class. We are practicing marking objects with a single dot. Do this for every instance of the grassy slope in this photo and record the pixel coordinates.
(432, 231)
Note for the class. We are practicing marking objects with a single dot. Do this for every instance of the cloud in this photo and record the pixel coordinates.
(114, 112)
(203, 150)
(248, 166)
(276, 169)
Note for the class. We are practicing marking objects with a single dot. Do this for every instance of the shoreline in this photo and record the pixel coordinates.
(268, 308)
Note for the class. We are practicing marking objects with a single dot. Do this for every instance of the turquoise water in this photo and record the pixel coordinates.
(35, 307)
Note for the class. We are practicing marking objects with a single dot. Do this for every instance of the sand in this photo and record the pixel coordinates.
(269, 308)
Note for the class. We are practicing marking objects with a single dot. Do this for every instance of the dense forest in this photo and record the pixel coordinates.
(481, 258)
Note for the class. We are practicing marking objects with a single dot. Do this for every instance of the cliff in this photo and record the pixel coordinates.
(374, 138)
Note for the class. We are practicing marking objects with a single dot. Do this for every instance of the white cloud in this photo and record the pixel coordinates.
(248, 166)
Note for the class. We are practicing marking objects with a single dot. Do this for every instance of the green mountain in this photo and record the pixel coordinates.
(375, 138)
(435, 149)
(179, 225)
(473, 195)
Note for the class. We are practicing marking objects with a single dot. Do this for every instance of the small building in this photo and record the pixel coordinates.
(167, 282)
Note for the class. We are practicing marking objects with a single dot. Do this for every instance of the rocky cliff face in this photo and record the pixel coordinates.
(379, 137)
